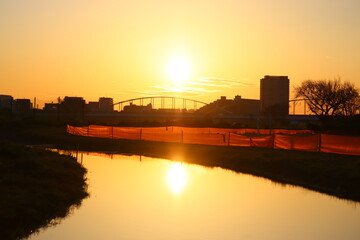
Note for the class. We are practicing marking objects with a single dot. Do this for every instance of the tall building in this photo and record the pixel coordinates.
(106, 104)
(274, 95)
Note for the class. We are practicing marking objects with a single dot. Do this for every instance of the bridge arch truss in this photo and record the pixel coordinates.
(162, 102)
(294, 103)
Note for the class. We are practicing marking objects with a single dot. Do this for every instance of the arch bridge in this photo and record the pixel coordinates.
(295, 101)
(162, 102)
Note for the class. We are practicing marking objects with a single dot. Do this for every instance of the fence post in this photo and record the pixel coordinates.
(251, 142)
(229, 138)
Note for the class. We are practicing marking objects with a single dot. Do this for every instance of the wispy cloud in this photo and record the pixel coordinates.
(183, 91)
(194, 88)
(200, 86)
(173, 88)
(221, 82)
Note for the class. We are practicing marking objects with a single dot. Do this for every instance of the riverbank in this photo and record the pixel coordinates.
(337, 175)
(36, 188)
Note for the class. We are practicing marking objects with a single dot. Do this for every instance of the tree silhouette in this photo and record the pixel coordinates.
(327, 98)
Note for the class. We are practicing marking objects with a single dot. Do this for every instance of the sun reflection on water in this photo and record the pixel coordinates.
(177, 178)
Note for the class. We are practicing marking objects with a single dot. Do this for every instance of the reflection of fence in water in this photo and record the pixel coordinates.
(229, 137)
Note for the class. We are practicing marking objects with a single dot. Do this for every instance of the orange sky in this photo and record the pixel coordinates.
(122, 49)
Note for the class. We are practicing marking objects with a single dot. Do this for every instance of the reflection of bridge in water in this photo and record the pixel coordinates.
(163, 102)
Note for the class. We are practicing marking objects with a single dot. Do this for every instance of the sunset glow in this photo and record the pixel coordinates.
(129, 49)
(179, 69)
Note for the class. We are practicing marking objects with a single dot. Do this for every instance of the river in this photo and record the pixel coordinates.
(137, 197)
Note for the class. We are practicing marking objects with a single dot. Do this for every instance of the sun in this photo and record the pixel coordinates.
(179, 69)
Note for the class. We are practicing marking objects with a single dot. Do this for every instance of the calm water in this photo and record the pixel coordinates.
(136, 197)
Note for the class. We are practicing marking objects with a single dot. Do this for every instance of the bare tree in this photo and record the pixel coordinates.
(329, 98)
(351, 104)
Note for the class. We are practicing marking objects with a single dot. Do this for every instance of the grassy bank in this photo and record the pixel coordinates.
(36, 187)
(337, 175)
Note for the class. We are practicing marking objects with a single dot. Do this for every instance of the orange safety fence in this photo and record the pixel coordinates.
(127, 133)
(301, 143)
(80, 131)
(161, 137)
(261, 131)
(264, 142)
(227, 130)
(100, 131)
(206, 138)
(292, 132)
(190, 129)
(340, 144)
(228, 137)
(239, 140)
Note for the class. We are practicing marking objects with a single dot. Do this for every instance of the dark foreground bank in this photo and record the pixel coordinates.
(36, 187)
(337, 175)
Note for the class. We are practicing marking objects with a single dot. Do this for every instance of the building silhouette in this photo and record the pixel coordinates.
(22, 109)
(51, 107)
(234, 107)
(132, 108)
(72, 109)
(272, 108)
(106, 104)
(6, 105)
(92, 107)
(274, 96)
(6, 102)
